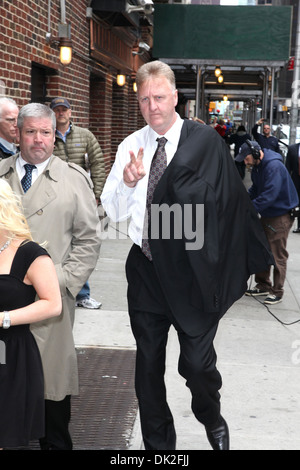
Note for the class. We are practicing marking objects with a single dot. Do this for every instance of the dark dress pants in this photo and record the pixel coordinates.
(150, 321)
(57, 419)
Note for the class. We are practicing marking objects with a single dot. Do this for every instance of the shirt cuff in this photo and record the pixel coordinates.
(125, 190)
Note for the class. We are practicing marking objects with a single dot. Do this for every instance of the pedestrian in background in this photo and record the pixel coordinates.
(29, 292)
(171, 282)
(8, 127)
(238, 138)
(293, 166)
(78, 145)
(229, 128)
(265, 140)
(60, 209)
(220, 127)
(274, 196)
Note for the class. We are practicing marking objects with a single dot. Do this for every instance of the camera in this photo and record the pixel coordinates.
(147, 5)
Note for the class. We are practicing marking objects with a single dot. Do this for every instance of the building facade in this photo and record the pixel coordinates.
(31, 71)
(109, 37)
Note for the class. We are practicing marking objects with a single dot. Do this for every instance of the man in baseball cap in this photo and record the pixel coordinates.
(248, 149)
(274, 196)
(60, 102)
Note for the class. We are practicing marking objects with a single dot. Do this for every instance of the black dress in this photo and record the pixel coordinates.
(21, 374)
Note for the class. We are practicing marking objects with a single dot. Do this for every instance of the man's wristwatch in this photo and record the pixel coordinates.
(6, 320)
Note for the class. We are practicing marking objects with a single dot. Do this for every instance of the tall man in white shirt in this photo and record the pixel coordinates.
(188, 279)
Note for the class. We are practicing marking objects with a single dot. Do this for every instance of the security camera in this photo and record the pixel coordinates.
(146, 6)
(144, 45)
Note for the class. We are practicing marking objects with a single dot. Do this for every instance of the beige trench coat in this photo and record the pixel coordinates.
(61, 210)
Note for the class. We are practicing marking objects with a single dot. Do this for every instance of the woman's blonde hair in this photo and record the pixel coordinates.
(12, 218)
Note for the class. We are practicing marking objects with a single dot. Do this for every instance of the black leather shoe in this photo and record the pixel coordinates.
(297, 230)
(219, 437)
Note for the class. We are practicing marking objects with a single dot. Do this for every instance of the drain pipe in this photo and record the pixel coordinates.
(62, 11)
(48, 35)
(62, 16)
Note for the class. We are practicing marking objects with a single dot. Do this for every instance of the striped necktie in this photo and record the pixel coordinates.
(158, 166)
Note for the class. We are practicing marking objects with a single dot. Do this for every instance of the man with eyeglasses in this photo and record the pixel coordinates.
(265, 140)
(8, 127)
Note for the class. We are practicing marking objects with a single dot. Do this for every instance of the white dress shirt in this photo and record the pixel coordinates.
(121, 202)
(36, 172)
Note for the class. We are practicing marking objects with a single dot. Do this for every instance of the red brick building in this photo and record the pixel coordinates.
(103, 44)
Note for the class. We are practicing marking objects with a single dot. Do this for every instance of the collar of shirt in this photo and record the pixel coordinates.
(35, 173)
(8, 145)
(63, 136)
(172, 136)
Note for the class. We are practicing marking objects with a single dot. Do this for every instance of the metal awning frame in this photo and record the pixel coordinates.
(230, 63)
(267, 69)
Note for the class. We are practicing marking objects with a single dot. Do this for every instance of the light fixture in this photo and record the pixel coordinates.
(225, 98)
(65, 53)
(218, 71)
(134, 87)
(63, 41)
(121, 79)
(220, 78)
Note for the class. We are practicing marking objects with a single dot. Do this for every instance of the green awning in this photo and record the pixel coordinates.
(239, 33)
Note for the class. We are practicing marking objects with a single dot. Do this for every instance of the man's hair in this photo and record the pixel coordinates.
(155, 69)
(36, 110)
(6, 100)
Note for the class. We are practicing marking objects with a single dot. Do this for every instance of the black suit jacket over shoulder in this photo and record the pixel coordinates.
(200, 285)
(292, 159)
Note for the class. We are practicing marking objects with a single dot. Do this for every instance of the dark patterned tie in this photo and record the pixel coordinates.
(158, 166)
(27, 178)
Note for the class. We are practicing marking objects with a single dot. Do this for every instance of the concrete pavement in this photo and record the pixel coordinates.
(258, 357)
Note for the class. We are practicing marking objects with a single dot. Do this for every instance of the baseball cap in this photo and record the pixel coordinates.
(60, 102)
(245, 150)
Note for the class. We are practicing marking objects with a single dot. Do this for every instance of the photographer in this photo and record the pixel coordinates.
(274, 197)
(265, 140)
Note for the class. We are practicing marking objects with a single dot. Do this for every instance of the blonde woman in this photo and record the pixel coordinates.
(29, 292)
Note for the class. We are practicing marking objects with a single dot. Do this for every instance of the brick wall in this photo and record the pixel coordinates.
(97, 103)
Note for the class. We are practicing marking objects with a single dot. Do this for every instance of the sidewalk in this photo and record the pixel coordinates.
(258, 357)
